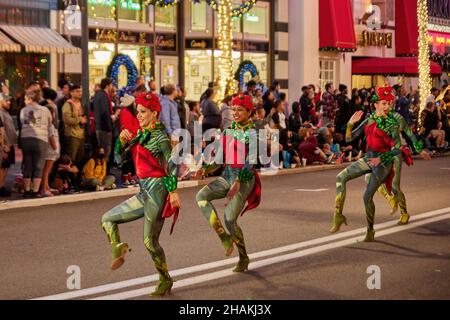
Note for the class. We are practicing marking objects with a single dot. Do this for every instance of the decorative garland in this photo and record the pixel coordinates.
(113, 69)
(237, 12)
(245, 66)
(334, 49)
(161, 3)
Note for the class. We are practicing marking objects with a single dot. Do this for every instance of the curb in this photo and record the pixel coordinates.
(96, 195)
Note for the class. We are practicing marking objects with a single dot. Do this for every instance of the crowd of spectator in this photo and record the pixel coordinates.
(67, 146)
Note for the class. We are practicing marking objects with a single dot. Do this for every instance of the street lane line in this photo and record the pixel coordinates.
(267, 262)
(217, 264)
(311, 190)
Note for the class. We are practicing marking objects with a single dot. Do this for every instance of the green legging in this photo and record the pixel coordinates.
(397, 194)
(376, 179)
(149, 203)
(218, 189)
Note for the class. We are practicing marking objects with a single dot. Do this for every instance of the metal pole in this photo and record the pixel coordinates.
(84, 51)
(154, 49)
(116, 43)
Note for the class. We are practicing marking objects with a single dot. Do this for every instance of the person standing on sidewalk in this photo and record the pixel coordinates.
(36, 133)
(10, 139)
(103, 114)
(74, 119)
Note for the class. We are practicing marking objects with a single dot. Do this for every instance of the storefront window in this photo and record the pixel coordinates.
(18, 69)
(255, 21)
(133, 10)
(260, 60)
(24, 16)
(165, 17)
(198, 16)
(327, 72)
(198, 72)
(101, 55)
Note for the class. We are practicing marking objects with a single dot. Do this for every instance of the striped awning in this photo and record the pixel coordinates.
(39, 40)
(7, 45)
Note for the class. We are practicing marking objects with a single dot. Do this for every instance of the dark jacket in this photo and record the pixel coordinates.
(102, 112)
(305, 108)
(211, 115)
(294, 122)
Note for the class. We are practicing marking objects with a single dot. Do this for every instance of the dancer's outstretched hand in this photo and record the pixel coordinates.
(425, 155)
(175, 200)
(234, 189)
(356, 117)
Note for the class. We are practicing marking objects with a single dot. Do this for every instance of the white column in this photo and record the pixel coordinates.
(303, 45)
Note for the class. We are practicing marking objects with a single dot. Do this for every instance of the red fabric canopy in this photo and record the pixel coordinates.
(391, 66)
(406, 30)
(336, 26)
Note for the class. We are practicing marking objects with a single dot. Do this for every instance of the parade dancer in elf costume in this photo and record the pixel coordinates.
(382, 133)
(396, 198)
(239, 182)
(158, 198)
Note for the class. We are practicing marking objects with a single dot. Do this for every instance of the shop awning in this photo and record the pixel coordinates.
(406, 30)
(39, 40)
(391, 66)
(7, 45)
(336, 26)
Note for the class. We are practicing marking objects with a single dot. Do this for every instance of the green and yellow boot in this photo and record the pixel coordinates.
(225, 238)
(404, 219)
(118, 248)
(370, 236)
(244, 260)
(393, 204)
(338, 221)
(118, 254)
(165, 281)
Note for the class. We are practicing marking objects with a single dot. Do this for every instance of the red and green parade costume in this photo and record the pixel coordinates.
(396, 197)
(384, 142)
(238, 139)
(157, 177)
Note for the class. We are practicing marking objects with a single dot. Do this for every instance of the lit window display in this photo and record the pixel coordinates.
(101, 55)
(260, 60)
(166, 18)
(255, 21)
(198, 16)
(133, 10)
(198, 72)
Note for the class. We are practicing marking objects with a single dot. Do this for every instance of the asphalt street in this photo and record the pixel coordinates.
(293, 255)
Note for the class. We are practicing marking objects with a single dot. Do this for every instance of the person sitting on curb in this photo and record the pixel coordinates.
(94, 173)
(65, 173)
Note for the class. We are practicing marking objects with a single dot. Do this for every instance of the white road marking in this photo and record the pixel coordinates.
(445, 168)
(311, 190)
(267, 262)
(217, 264)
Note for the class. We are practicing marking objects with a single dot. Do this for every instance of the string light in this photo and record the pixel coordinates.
(424, 54)
(225, 30)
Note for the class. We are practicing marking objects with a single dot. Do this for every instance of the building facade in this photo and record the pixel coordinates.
(29, 46)
(179, 44)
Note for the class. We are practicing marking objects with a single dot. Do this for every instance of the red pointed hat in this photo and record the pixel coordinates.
(244, 100)
(149, 100)
(386, 93)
